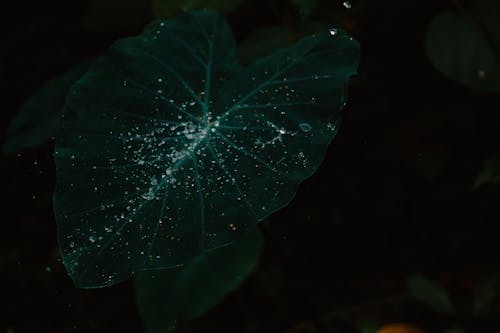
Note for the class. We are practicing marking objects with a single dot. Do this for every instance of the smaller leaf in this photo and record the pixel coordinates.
(465, 46)
(490, 173)
(38, 119)
(430, 293)
(164, 296)
(485, 294)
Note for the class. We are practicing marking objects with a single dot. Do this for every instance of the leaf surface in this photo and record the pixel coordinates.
(170, 148)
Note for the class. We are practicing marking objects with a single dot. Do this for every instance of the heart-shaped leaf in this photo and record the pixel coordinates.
(465, 46)
(167, 295)
(169, 147)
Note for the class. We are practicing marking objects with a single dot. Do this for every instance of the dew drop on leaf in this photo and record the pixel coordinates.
(305, 127)
(192, 161)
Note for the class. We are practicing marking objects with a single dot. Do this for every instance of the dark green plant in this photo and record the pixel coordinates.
(169, 148)
(170, 152)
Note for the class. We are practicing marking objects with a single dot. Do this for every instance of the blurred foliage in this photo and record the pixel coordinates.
(486, 293)
(490, 172)
(465, 45)
(368, 325)
(38, 119)
(430, 293)
(164, 297)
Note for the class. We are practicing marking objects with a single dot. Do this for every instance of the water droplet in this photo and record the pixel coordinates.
(305, 127)
(91, 239)
(148, 196)
(347, 4)
(331, 126)
(333, 31)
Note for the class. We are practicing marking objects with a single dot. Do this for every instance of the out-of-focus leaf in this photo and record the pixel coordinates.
(430, 293)
(431, 164)
(399, 328)
(264, 40)
(485, 294)
(305, 7)
(368, 325)
(117, 16)
(164, 296)
(169, 147)
(490, 173)
(168, 8)
(465, 46)
(37, 120)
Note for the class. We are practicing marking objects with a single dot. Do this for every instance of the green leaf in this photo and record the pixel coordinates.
(169, 147)
(38, 119)
(430, 293)
(168, 8)
(164, 296)
(485, 294)
(490, 173)
(465, 46)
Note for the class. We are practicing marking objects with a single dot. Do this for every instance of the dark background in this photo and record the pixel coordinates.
(395, 196)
